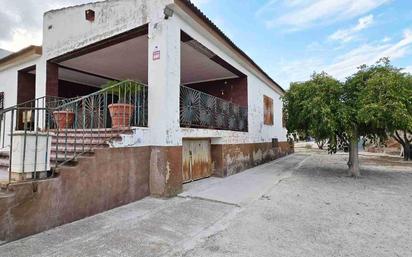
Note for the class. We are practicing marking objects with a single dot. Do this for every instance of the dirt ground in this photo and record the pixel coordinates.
(301, 205)
(319, 211)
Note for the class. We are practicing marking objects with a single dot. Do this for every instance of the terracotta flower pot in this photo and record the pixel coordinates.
(121, 115)
(63, 119)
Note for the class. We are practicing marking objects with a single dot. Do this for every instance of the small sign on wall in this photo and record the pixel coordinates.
(156, 54)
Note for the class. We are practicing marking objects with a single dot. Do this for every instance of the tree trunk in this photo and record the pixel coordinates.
(354, 169)
(407, 152)
(350, 157)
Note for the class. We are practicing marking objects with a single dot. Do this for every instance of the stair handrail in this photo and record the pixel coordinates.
(42, 99)
(102, 91)
(88, 115)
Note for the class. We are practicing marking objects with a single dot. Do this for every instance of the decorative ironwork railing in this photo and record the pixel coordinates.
(201, 110)
(52, 131)
(126, 100)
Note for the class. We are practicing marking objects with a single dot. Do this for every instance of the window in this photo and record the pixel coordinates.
(268, 110)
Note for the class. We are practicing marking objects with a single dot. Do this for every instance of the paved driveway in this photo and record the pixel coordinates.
(303, 205)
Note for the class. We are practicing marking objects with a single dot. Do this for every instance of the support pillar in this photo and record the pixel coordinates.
(164, 115)
(52, 79)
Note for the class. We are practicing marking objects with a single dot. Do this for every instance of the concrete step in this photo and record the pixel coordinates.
(79, 140)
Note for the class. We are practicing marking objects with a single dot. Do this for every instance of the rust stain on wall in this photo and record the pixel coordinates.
(232, 159)
(111, 178)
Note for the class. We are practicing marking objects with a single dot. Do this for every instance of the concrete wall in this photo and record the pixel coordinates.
(258, 132)
(9, 85)
(230, 159)
(110, 178)
(114, 17)
(8, 81)
(111, 18)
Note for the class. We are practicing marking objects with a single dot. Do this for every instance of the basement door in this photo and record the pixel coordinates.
(197, 160)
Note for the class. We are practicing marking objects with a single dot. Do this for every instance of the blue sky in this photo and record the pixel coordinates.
(290, 39)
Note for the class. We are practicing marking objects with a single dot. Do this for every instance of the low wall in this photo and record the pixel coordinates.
(231, 159)
(108, 179)
(114, 177)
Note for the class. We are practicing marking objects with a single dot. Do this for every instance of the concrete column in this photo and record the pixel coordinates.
(52, 79)
(164, 115)
(41, 78)
(164, 82)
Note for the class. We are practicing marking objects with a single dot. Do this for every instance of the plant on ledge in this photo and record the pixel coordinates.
(121, 111)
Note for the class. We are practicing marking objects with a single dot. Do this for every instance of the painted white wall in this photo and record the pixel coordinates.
(8, 81)
(257, 88)
(164, 83)
(8, 85)
(67, 30)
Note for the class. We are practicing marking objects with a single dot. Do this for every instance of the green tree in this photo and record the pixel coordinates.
(387, 104)
(325, 108)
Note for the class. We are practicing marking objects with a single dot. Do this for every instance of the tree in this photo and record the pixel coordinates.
(343, 113)
(387, 104)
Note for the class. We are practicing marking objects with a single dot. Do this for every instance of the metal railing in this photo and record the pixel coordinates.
(27, 116)
(103, 114)
(201, 110)
(68, 128)
(22, 127)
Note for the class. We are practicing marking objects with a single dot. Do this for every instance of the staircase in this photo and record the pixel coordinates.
(68, 144)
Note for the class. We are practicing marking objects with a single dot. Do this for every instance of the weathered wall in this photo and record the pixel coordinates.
(231, 159)
(114, 17)
(110, 178)
(166, 171)
(111, 18)
(9, 81)
(256, 89)
(9, 85)
(232, 90)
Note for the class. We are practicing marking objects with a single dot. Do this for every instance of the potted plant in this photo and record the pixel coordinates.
(122, 111)
(64, 118)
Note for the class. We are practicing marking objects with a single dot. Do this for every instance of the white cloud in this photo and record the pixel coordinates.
(302, 14)
(293, 71)
(346, 35)
(386, 39)
(346, 64)
(21, 21)
(408, 69)
(368, 54)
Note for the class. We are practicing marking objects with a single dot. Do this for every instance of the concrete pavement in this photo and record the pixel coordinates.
(156, 227)
(243, 188)
(302, 205)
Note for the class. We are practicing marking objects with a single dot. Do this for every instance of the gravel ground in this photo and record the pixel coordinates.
(305, 206)
(319, 211)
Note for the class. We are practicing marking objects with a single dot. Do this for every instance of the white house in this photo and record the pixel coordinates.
(204, 99)
(125, 99)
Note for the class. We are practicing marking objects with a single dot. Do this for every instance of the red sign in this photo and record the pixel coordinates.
(156, 55)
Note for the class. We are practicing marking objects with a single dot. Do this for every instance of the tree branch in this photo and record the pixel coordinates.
(398, 138)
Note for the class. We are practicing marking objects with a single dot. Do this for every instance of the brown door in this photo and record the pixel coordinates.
(196, 159)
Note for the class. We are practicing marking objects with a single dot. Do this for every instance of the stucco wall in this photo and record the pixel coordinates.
(8, 81)
(110, 178)
(114, 17)
(230, 159)
(67, 29)
(8, 85)
(257, 88)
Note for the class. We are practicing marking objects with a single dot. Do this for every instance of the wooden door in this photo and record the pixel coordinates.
(197, 159)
